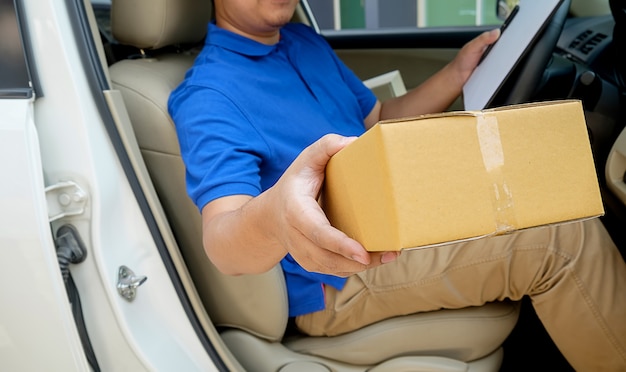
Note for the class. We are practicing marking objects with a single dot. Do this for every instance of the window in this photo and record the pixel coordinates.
(379, 14)
(14, 79)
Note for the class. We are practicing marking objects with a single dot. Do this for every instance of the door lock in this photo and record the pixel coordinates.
(128, 282)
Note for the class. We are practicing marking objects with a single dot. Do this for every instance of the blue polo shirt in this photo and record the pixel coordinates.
(244, 112)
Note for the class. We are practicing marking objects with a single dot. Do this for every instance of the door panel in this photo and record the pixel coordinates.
(416, 55)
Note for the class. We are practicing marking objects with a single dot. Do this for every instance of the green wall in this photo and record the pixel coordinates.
(438, 13)
(353, 14)
(459, 13)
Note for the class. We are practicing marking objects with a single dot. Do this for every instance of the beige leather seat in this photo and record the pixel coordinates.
(251, 311)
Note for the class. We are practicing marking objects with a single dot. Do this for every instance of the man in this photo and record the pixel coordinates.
(281, 104)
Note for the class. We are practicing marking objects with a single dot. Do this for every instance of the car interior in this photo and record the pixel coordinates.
(151, 45)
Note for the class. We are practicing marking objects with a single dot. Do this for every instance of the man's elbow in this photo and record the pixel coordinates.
(235, 267)
(223, 265)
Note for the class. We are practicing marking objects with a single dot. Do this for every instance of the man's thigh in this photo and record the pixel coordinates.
(450, 276)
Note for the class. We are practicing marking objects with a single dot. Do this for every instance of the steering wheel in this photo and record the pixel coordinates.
(520, 85)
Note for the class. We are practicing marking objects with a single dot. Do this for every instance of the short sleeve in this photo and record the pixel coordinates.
(221, 150)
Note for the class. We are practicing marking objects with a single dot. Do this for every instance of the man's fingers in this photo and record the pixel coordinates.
(326, 236)
(313, 257)
(491, 36)
(319, 247)
(482, 42)
(312, 241)
(318, 259)
(319, 153)
(314, 225)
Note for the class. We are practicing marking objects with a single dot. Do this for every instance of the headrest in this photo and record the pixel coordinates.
(152, 24)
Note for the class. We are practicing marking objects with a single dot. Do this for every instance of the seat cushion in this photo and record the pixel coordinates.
(463, 334)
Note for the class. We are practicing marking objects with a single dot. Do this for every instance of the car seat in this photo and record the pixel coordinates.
(250, 311)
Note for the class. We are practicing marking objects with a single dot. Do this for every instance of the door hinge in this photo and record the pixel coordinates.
(65, 198)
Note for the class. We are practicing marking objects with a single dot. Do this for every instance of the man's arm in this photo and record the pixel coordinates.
(246, 235)
(438, 92)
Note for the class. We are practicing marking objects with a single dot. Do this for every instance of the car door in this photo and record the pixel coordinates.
(65, 174)
(415, 37)
(35, 317)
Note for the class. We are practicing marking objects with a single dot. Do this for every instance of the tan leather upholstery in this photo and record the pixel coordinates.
(152, 24)
(253, 309)
(464, 334)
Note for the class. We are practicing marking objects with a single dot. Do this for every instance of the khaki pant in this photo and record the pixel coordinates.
(573, 273)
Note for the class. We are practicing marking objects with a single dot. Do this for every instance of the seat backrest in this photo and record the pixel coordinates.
(255, 303)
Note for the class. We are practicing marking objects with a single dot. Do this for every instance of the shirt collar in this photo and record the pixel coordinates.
(236, 43)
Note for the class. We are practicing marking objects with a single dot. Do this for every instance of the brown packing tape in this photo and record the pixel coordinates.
(493, 159)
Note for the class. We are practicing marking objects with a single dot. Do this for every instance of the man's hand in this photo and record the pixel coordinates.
(471, 53)
(245, 235)
(306, 232)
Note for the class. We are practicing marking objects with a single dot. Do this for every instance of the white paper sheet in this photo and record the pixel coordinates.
(487, 78)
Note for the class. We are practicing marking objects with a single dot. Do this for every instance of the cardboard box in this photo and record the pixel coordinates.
(437, 179)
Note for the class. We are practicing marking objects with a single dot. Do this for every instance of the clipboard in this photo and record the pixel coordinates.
(518, 31)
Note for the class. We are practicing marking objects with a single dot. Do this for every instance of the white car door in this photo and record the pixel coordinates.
(35, 316)
(62, 179)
